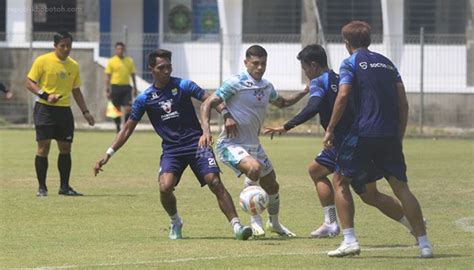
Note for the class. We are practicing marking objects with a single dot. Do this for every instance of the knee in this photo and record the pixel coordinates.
(166, 188)
(254, 172)
(43, 150)
(215, 184)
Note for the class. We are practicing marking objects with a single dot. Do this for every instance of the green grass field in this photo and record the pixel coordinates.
(120, 223)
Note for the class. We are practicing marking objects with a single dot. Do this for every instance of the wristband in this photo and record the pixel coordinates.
(84, 112)
(225, 112)
(43, 95)
(110, 151)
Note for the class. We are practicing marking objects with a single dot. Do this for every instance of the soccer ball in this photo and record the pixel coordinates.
(253, 200)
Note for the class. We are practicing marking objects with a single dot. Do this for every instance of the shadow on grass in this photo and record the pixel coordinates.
(416, 257)
(109, 195)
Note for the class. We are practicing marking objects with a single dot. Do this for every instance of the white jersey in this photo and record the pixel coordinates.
(247, 101)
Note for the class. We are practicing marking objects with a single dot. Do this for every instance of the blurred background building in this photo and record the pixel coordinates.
(209, 37)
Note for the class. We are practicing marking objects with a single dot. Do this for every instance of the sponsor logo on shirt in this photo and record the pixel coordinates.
(167, 107)
(334, 88)
(363, 65)
(174, 91)
(381, 65)
(154, 96)
(259, 94)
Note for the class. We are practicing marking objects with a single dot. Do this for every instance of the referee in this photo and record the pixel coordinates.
(117, 81)
(53, 77)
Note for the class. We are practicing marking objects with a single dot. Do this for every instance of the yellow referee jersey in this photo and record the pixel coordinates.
(120, 70)
(55, 76)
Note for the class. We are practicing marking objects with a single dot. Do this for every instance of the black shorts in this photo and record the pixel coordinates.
(53, 122)
(121, 95)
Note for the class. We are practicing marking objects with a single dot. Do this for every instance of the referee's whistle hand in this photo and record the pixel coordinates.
(53, 98)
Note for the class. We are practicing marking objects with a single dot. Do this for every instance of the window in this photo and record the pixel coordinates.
(271, 21)
(438, 17)
(334, 14)
(53, 16)
(3, 9)
(186, 20)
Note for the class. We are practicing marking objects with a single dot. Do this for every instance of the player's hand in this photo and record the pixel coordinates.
(9, 94)
(53, 98)
(328, 139)
(230, 126)
(205, 140)
(306, 89)
(272, 131)
(90, 119)
(100, 163)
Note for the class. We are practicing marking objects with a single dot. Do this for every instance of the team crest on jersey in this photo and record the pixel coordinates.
(154, 96)
(174, 91)
(248, 83)
(62, 75)
(259, 94)
(166, 105)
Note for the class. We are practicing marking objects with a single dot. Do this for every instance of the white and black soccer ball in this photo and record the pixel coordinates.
(253, 200)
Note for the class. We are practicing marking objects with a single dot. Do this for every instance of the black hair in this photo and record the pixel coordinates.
(60, 36)
(255, 50)
(313, 53)
(120, 44)
(158, 53)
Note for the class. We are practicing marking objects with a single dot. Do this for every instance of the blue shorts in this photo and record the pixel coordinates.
(327, 158)
(201, 163)
(359, 154)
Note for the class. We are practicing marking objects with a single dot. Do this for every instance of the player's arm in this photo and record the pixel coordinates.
(79, 98)
(118, 142)
(107, 85)
(339, 106)
(210, 102)
(8, 92)
(282, 102)
(402, 109)
(308, 112)
(34, 88)
(134, 82)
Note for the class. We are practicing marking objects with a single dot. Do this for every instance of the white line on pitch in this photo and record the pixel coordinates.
(466, 224)
(212, 258)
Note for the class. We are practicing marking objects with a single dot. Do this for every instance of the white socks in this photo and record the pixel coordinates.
(235, 223)
(176, 219)
(423, 241)
(349, 235)
(273, 208)
(404, 221)
(330, 214)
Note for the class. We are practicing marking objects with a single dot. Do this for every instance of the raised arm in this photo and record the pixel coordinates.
(118, 142)
(282, 102)
(402, 109)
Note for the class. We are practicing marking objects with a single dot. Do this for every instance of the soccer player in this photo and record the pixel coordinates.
(323, 91)
(246, 96)
(169, 107)
(53, 78)
(8, 92)
(381, 112)
(117, 81)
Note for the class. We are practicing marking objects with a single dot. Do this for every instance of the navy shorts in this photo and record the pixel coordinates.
(53, 122)
(201, 163)
(327, 158)
(359, 154)
(121, 95)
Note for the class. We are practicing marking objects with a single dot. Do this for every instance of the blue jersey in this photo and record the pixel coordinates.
(373, 78)
(326, 87)
(172, 114)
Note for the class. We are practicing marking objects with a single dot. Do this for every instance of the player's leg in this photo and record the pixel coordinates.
(64, 167)
(324, 189)
(271, 186)
(391, 160)
(227, 206)
(41, 166)
(116, 97)
(168, 181)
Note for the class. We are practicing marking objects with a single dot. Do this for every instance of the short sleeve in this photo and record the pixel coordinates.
(399, 78)
(108, 68)
(273, 93)
(316, 88)
(193, 89)
(227, 90)
(138, 108)
(36, 71)
(77, 79)
(132, 65)
(346, 72)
